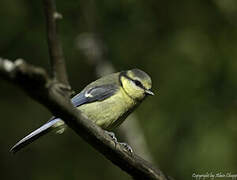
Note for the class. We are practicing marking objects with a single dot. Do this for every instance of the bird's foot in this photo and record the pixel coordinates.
(127, 147)
(112, 135)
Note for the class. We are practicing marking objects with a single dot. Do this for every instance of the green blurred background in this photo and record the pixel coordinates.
(188, 47)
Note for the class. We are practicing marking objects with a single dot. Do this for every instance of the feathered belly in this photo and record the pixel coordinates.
(109, 113)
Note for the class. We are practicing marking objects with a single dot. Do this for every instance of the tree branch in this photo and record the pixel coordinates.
(55, 49)
(53, 94)
(37, 84)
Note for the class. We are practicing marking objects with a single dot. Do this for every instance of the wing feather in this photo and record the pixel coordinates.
(98, 93)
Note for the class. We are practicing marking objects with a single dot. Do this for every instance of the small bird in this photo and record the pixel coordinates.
(107, 102)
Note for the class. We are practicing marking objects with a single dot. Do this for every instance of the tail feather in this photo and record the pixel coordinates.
(49, 126)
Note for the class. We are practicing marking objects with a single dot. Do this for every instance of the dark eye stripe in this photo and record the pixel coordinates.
(136, 82)
(139, 84)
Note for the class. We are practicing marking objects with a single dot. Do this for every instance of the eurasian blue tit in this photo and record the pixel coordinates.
(106, 101)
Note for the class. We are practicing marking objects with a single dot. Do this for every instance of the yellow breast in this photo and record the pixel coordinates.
(110, 112)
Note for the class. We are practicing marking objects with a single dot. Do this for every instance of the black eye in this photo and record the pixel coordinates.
(138, 83)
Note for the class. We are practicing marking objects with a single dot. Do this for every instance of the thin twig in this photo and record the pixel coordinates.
(55, 48)
(36, 83)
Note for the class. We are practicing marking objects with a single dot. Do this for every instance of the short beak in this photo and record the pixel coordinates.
(149, 92)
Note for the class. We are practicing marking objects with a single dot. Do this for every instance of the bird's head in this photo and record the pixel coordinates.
(136, 83)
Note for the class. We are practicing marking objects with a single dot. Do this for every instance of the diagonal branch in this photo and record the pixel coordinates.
(51, 93)
(37, 84)
(55, 48)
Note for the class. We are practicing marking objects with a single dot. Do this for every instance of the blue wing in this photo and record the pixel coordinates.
(98, 93)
